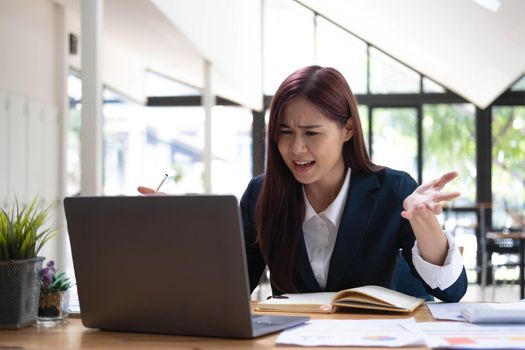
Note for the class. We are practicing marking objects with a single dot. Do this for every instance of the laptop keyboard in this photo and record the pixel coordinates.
(261, 321)
(264, 324)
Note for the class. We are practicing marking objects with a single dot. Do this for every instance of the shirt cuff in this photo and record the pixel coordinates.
(437, 276)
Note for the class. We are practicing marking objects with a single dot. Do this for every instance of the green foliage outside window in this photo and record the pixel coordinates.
(508, 165)
(449, 134)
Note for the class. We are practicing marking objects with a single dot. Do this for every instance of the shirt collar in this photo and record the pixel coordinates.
(335, 210)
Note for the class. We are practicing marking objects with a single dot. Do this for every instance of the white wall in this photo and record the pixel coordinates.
(4, 150)
(29, 136)
(28, 55)
(29, 117)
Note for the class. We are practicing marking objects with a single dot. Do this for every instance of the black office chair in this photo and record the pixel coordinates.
(405, 282)
(507, 247)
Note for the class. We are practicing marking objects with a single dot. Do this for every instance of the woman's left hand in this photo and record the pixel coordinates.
(427, 199)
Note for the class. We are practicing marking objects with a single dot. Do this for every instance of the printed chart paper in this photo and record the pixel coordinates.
(384, 333)
(462, 335)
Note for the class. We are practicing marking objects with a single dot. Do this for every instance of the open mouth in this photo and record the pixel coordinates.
(304, 164)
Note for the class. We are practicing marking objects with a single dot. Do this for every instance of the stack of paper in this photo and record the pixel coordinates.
(494, 313)
(479, 312)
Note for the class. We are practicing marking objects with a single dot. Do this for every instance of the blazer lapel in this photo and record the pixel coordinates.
(303, 267)
(356, 217)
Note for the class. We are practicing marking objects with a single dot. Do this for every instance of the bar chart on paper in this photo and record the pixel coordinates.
(383, 333)
(458, 335)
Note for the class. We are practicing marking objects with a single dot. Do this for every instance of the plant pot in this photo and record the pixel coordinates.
(53, 307)
(19, 292)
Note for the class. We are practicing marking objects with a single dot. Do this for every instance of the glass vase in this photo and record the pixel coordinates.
(53, 308)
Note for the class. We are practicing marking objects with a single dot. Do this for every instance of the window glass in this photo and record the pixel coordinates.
(288, 40)
(389, 76)
(232, 149)
(462, 226)
(394, 138)
(449, 143)
(339, 49)
(520, 85)
(508, 166)
(363, 115)
(429, 86)
(73, 136)
(141, 144)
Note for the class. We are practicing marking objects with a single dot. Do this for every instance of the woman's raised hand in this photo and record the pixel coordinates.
(147, 191)
(427, 199)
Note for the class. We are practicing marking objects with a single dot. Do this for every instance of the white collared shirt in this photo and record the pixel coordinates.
(320, 232)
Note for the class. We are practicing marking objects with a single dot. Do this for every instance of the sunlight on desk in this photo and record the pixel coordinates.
(72, 335)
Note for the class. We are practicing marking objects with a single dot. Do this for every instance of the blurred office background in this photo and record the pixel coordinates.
(183, 87)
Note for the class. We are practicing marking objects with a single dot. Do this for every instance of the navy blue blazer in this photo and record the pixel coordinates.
(371, 232)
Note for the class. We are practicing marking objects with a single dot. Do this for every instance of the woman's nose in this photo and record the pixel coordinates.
(298, 145)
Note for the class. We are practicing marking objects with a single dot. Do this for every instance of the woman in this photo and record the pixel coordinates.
(324, 217)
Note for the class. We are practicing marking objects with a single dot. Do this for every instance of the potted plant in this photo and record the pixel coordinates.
(22, 235)
(53, 304)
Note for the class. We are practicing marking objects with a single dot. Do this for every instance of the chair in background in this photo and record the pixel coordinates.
(502, 253)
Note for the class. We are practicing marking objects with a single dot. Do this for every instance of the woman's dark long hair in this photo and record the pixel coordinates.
(280, 207)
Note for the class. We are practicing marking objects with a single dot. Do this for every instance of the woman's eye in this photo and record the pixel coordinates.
(312, 133)
(285, 132)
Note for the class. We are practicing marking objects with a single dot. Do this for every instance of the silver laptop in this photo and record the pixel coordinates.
(164, 264)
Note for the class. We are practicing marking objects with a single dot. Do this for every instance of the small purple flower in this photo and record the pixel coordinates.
(47, 276)
(51, 282)
(51, 266)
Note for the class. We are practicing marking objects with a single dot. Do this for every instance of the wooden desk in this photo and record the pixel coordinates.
(73, 335)
(520, 236)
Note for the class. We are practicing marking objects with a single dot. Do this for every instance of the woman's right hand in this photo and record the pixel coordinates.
(147, 191)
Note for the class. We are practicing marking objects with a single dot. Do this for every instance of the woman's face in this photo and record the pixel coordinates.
(311, 144)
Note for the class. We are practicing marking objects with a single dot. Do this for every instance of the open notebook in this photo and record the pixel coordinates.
(366, 297)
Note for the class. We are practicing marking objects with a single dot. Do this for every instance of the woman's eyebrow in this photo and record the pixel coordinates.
(283, 125)
(310, 126)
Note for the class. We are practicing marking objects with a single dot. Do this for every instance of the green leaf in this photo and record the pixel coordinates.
(22, 232)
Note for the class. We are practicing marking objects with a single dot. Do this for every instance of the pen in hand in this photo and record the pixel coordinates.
(164, 179)
(277, 297)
